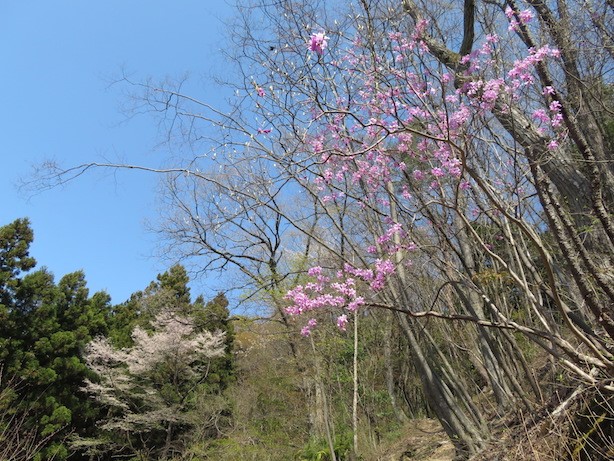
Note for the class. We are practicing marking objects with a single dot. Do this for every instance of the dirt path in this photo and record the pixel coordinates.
(423, 440)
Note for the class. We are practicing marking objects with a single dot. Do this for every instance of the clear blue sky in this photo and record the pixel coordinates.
(57, 58)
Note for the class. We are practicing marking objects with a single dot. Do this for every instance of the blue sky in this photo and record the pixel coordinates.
(55, 103)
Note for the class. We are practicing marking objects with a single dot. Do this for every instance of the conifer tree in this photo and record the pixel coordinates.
(43, 331)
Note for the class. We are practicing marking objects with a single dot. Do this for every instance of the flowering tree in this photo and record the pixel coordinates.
(149, 387)
(471, 168)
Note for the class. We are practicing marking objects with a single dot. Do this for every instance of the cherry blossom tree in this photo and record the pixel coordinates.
(149, 387)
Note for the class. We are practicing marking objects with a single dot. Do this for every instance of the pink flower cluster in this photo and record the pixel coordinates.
(318, 43)
(522, 72)
(517, 17)
(371, 143)
(338, 293)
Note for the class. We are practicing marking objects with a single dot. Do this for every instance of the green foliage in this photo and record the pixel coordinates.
(214, 316)
(318, 449)
(15, 240)
(263, 398)
(175, 280)
(45, 326)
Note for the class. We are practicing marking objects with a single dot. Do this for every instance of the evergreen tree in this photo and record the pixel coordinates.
(215, 316)
(170, 290)
(44, 328)
(176, 280)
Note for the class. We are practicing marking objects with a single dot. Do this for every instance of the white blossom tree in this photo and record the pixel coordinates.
(149, 388)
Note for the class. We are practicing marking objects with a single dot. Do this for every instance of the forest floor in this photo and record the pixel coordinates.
(422, 440)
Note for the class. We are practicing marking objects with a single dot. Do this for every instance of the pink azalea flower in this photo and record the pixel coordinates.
(318, 42)
(548, 90)
(418, 175)
(353, 305)
(525, 16)
(437, 172)
(342, 322)
(555, 106)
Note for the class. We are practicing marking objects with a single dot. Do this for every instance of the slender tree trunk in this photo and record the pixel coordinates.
(323, 404)
(168, 441)
(355, 393)
(390, 387)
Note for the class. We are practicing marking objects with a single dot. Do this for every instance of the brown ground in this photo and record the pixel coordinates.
(423, 440)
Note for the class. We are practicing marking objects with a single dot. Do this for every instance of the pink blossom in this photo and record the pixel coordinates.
(264, 130)
(491, 92)
(548, 90)
(260, 91)
(342, 322)
(306, 330)
(557, 119)
(365, 274)
(383, 268)
(522, 68)
(318, 42)
(345, 288)
(351, 148)
(420, 29)
(525, 16)
(355, 304)
(405, 192)
(437, 172)
(459, 117)
(555, 106)
(540, 114)
(552, 145)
